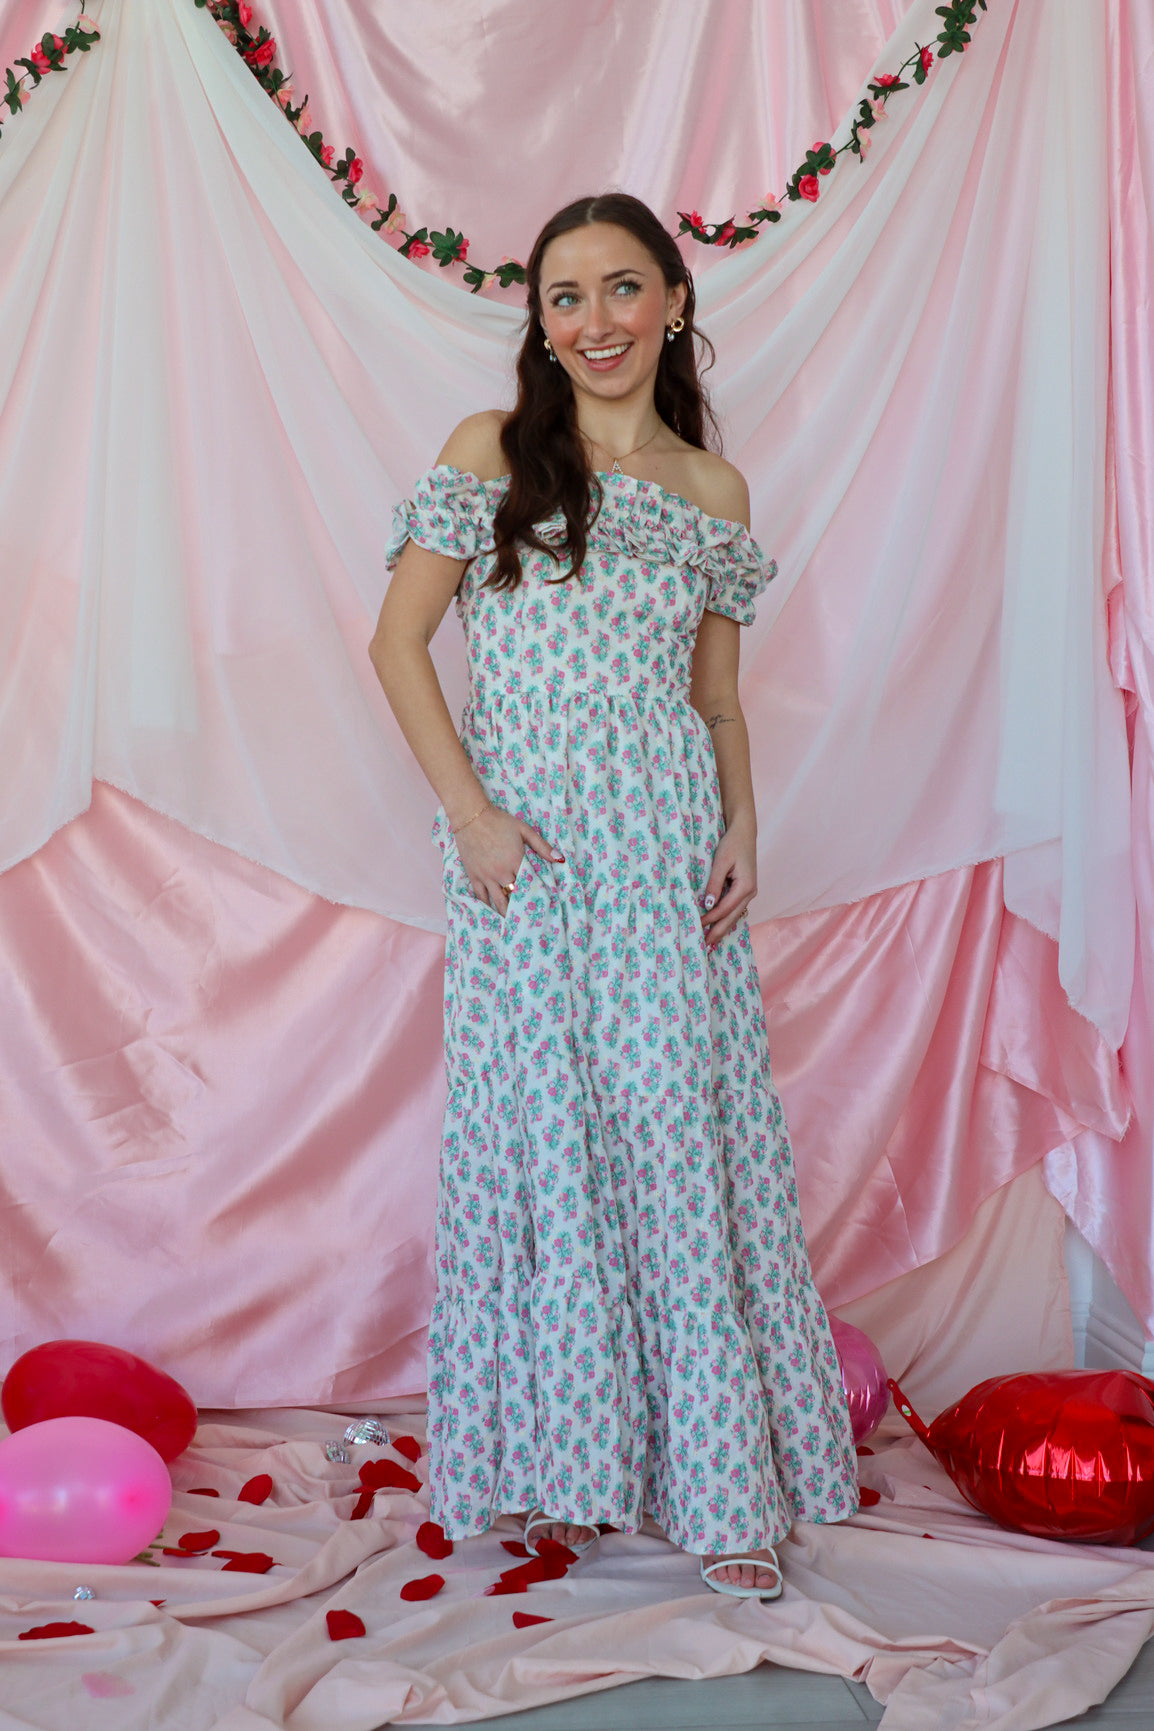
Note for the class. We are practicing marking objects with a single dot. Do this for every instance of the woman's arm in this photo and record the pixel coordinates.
(713, 693)
(492, 841)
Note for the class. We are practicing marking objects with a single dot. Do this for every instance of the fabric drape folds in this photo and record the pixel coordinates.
(940, 570)
(215, 383)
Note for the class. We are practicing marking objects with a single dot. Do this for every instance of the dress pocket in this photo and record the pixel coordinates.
(459, 895)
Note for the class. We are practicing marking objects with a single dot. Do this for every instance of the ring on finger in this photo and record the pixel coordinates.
(509, 888)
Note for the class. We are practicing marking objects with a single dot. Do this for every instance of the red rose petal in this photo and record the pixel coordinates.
(202, 1491)
(863, 1450)
(927, 1535)
(524, 1620)
(158, 1601)
(344, 1625)
(257, 1490)
(50, 1631)
(387, 1476)
(526, 1574)
(431, 1539)
(869, 1498)
(515, 1548)
(407, 1446)
(426, 1588)
(199, 1541)
(362, 1506)
(246, 1562)
(550, 1550)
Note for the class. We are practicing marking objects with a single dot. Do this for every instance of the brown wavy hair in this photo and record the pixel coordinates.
(549, 466)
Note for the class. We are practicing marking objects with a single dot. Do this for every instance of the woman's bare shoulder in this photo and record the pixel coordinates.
(716, 486)
(475, 445)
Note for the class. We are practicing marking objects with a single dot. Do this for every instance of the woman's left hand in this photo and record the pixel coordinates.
(732, 882)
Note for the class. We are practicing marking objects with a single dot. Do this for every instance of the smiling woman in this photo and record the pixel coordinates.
(625, 1321)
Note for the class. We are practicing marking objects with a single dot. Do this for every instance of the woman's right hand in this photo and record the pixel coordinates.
(491, 849)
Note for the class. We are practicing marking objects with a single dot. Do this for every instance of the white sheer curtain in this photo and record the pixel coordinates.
(216, 381)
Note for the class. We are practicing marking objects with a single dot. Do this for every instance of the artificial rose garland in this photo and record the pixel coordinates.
(804, 183)
(449, 246)
(49, 55)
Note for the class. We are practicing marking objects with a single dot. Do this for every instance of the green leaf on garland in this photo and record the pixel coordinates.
(33, 71)
(446, 246)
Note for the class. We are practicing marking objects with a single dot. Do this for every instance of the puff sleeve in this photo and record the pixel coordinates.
(737, 571)
(447, 513)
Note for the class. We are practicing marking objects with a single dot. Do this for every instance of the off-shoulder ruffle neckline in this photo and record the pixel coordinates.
(729, 525)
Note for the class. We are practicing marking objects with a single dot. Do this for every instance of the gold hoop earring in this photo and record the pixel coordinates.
(674, 329)
(549, 349)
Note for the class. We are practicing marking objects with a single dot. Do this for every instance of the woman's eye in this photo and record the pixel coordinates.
(563, 300)
(629, 287)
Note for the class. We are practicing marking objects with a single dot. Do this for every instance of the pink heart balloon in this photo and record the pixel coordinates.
(80, 1490)
(863, 1377)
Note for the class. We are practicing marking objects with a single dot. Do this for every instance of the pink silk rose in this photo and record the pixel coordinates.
(356, 169)
(418, 250)
(927, 59)
(808, 188)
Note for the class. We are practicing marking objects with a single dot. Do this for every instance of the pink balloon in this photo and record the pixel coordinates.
(80, 1490)
(863, 1377)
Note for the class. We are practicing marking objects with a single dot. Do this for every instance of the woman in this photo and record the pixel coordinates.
(625, 1320)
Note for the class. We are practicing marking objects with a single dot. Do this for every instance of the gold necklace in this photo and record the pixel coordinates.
(625, 455)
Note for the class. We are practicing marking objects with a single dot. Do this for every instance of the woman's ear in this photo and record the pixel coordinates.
(677, 297)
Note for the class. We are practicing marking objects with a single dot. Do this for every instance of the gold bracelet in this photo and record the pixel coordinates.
(469, 820)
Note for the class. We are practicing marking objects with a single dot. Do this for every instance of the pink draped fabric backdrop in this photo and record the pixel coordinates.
(221, 1093)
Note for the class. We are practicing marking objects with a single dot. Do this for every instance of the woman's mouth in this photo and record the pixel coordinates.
(603, 360)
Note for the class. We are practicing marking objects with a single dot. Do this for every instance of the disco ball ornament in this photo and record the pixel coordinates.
(337, 1452)
(373, 1431)
(1063, 1454)
(863, 1377)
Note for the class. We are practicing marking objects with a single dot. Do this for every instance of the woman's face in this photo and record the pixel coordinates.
(605, 308)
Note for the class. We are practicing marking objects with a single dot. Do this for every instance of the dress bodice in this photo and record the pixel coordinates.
(626, 624)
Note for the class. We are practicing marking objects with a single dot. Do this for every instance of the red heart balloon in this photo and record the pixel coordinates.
(1065, 1454)
(84, 1379)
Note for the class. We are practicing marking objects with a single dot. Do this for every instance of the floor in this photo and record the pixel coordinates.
(784, 1700)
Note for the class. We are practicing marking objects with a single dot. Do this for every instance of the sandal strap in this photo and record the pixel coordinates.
(538, 1519)
(736, 1561)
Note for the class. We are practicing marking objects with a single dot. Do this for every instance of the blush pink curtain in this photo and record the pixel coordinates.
(221, 1094)
(221, 1144)
(1108, 1189)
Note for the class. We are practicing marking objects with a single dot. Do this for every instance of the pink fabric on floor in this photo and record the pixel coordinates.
(222, 1153)
(944, 1617)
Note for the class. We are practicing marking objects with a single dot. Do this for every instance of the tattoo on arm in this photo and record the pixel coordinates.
(712, 721)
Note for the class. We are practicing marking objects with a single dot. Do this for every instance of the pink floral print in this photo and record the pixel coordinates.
(625, 1322)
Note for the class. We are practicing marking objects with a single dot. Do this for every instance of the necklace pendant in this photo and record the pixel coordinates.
(617, 469)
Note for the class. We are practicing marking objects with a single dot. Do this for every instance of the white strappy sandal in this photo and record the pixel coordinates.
(538, 1520)
(773, 1592)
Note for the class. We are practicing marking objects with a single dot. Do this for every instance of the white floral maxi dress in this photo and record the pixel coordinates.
(625, 1320)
